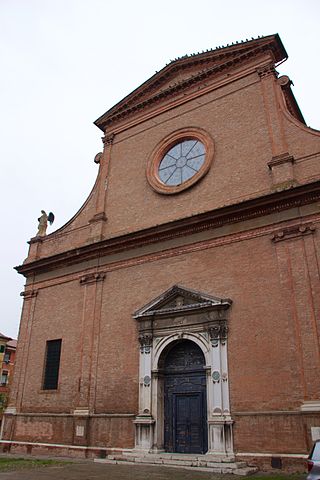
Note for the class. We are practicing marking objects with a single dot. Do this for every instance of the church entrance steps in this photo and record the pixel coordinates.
(205, 463)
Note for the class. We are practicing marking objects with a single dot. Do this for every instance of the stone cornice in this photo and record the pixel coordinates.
(28, 294)
(246, 210)
(92, 278)
(293, 231)
(224, 58)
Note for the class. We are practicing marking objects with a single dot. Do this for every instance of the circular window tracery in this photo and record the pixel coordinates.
(180, 160)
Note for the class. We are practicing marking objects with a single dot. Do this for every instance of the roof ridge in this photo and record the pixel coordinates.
(237, 42)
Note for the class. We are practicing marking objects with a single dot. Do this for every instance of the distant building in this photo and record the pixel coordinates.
(7, 365)
(8, 348)
(179, 310)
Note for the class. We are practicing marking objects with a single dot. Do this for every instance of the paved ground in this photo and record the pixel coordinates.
(95, 471)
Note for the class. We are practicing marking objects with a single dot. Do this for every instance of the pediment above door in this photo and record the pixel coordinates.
(179, 300)
(183, 309)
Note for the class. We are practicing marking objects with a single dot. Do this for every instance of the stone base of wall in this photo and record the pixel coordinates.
(285, 434)
(271, 442)
(100, 430)
(275, 463)
(57, 450)
(264, 462)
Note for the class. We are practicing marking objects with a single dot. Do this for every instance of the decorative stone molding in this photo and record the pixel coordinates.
(10, 411)
(97, 158)
(81, 412)
(216, 376)
(280, 159)
(108, 139)
(310, 406)
(92, 278)
(145, 341)
(267, 70)
(289, 99)
(282, 172)
(98, 217)
(36, 239)
(166, 84)
(246, 210)
(293, 231)
(218, 331)
(179, 314)
(28, 294)
(144, 432)
(224, 377)
(284, 80)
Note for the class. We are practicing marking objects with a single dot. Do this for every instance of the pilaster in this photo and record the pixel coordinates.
(219, 419)
(144, 422)
(21, 366)
(91, 313)
(97, 222)
(34, 248)
(281, 163)
(299, 280)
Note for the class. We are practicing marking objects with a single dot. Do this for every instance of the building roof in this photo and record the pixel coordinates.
(4, 337)
(12, 344)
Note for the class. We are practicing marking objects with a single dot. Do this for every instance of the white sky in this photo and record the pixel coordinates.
(65, 62)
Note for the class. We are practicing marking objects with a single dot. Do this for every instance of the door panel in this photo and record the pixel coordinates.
(185, 410)
(188, 423)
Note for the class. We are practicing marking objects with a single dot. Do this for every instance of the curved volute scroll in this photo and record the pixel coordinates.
(281, 164)
(301, 144)
(99, 218)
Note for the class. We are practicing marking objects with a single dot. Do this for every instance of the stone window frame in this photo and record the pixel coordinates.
(165, 145)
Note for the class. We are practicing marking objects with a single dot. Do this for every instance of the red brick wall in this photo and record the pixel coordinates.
(274, 320)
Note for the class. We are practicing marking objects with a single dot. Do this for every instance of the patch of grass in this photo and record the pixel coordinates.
(7, 463)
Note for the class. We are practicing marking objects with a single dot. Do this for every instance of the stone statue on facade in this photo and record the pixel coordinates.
(43, 223)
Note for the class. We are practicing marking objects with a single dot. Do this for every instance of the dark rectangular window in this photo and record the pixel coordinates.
(51, 372)
(7, 356)
(4, 378)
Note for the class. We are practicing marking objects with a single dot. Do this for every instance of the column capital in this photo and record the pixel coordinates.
(267, 70)
(145, 340)
(218, 331)
(108, 139)
(28, 294)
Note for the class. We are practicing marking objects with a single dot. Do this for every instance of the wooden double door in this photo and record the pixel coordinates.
(185, 407)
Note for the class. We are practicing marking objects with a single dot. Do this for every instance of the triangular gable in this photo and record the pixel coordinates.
(180, 300)
(180, 73)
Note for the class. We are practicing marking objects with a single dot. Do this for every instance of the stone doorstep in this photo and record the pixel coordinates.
(177, 456)
(195, 462)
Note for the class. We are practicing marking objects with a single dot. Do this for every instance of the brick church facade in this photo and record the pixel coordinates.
(179, 309)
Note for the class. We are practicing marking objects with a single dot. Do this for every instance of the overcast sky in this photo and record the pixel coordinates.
(65, 62)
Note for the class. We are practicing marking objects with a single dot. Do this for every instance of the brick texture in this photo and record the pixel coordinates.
(273, 345)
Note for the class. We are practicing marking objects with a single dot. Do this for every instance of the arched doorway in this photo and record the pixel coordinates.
(185, 405)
